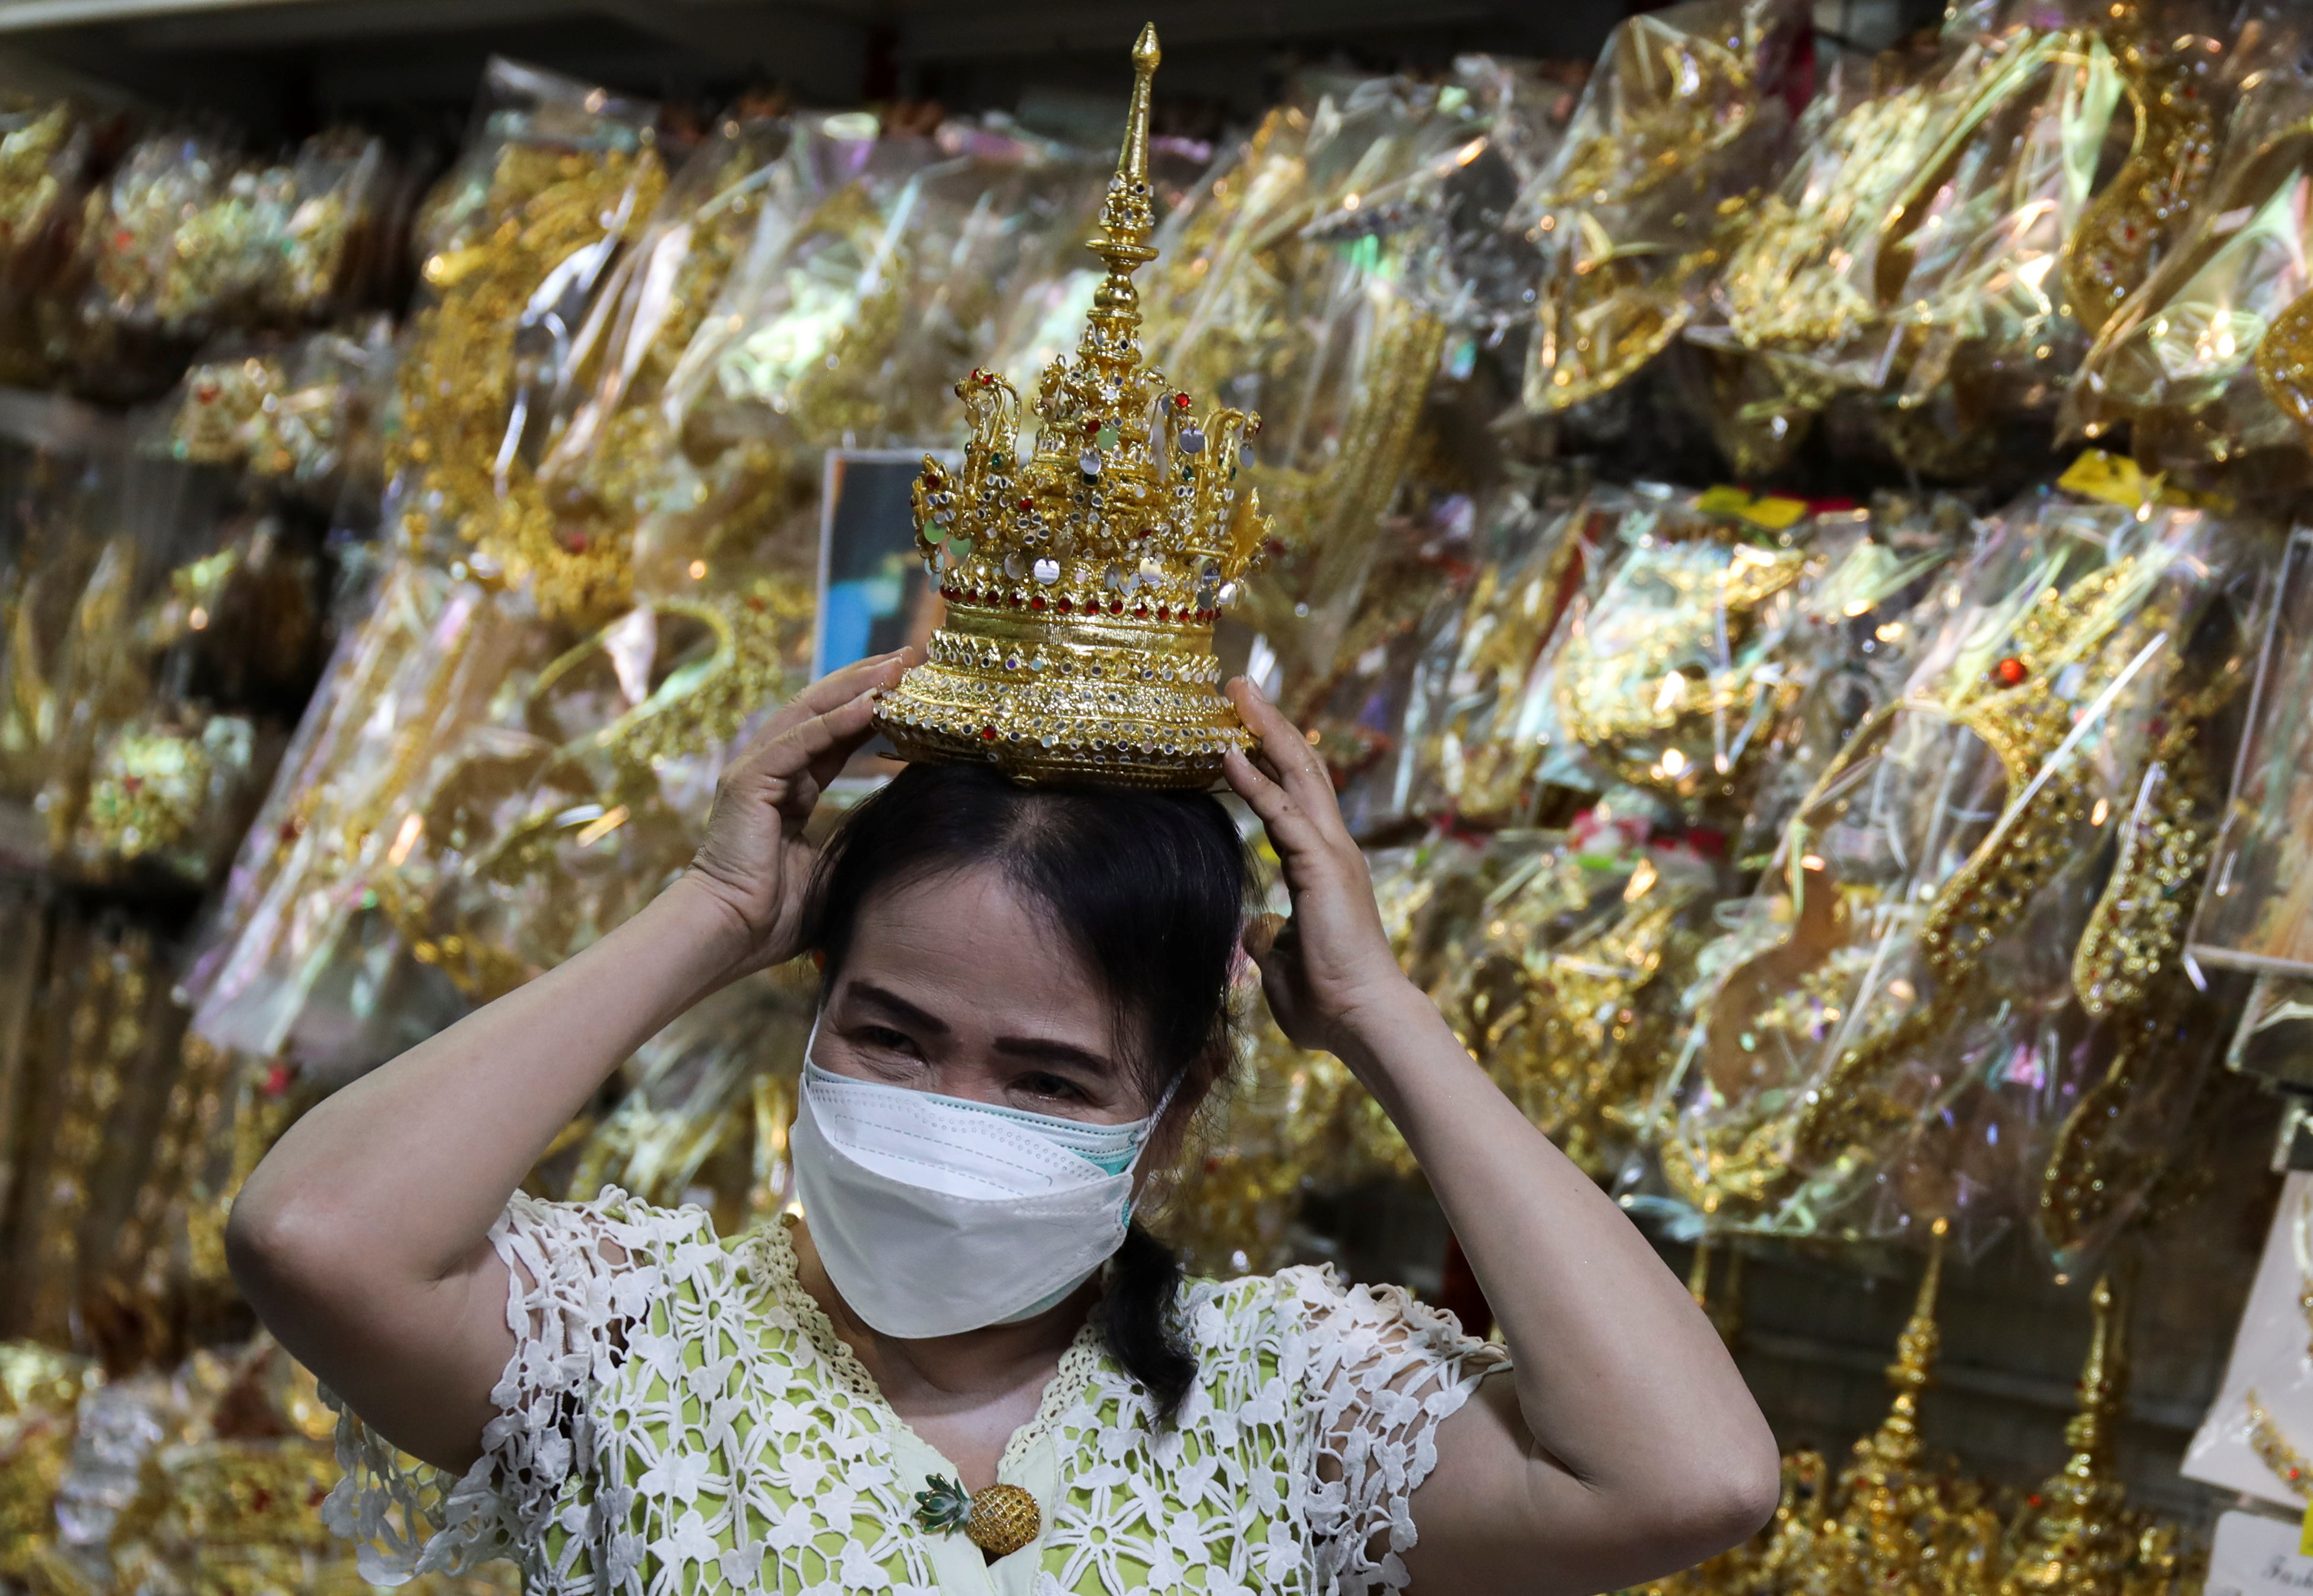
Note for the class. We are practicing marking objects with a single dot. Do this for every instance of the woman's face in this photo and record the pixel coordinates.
(956, 985)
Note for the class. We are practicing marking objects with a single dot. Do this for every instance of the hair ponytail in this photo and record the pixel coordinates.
(1138, 1323)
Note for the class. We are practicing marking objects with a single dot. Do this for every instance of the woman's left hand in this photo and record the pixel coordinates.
(1330, 962)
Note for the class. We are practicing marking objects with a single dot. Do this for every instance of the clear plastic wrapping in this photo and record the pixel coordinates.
(555, 177)
(1681, 120)
(298, 415)
(2203, 364)
(189, 237)
(1255, 299)
(2258, 912)
(1958, 992)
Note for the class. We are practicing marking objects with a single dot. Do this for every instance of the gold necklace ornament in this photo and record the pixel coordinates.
(999, 1521)
(1082, 583)
(2288, 1464)
(1649, 194)
(1804, 1002)
(2173, 92)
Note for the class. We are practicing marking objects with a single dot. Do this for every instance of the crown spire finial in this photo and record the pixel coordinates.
(1128, 217)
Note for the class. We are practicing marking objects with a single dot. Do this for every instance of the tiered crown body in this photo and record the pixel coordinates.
(1082, 580)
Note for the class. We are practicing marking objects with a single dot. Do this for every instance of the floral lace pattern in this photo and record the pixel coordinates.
(678, 1416)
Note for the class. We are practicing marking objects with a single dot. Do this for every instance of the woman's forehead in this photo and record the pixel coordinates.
(974, 940)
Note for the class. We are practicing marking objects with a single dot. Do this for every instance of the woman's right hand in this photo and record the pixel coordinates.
(755, 863)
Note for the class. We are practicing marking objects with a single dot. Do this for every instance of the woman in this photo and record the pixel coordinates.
(638, 1407)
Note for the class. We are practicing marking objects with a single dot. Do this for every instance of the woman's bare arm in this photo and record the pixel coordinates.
(362, 1239)
(1625, 1445)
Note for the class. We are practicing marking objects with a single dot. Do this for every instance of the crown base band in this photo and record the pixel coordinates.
(1057, 766)
(1131, 734)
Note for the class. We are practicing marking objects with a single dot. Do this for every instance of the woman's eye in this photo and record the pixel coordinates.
(1052, 1086)
(884, 1036)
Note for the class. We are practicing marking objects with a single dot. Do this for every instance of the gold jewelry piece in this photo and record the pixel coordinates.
(2128, 970)
(2078, 1537)
(1792, 996)
(1635, 682)
(463, 371)
(1082, 585)
(106, 1035)
(2288, 1464)
(2114, 245)
(1646, 198)
(1905, 1520)
(999, 1521)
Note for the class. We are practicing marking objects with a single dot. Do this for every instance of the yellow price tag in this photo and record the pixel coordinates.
(2305, 1532)
(1773, 513)
(2114, 478)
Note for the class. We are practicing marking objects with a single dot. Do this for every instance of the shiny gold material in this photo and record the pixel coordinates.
(107, 1036)
(1904, 1521)
(1082, 584)
(1635, 682)
(2100, 623)
(2118, 239)
(2209, 363)
(166, 1196)
(39, 1394)
(2078, 1537)
(1648, 193)
(1565, 989)
(2129, 971)
(1004, 1519)
(466, 363)
(515, 831)
(2284, 363)
(2273, 1449)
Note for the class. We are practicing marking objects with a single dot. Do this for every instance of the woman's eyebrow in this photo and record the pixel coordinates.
(1052, 1052)
(896, 1007)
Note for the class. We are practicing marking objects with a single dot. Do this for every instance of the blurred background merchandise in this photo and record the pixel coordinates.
(1791, 539)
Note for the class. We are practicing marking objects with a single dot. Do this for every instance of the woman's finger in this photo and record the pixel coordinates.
(1300, 846)
(831, 691)
(787, 767)
(1260, 935)
(780, 750)
(1299, 771)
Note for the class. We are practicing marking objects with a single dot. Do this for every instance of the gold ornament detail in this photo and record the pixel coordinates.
(2099, 623)
(2114, 246)
(2080, 1538)
(1082, 584)
(1904, 1523)
(2272, 1449)
(999, 1521)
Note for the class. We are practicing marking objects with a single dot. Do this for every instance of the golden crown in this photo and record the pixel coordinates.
(1082, 582)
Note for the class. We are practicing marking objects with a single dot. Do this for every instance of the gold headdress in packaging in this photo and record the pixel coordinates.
(1082, 582)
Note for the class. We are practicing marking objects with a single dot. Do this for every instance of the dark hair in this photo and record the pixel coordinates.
(1149, 887)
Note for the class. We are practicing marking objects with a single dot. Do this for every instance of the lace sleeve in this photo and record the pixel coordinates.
(579, 1273)
(1381, 1371)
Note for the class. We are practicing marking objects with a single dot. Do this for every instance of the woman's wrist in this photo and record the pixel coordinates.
(1390, 1015)
(714, 940)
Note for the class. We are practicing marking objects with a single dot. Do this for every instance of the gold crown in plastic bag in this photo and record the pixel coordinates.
(1082, 581)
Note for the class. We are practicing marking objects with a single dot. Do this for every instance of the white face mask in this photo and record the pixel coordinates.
(936, 1215)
